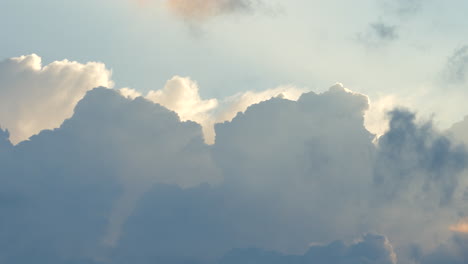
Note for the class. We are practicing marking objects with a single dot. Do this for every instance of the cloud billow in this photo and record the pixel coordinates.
(34, 97)
(126, 181)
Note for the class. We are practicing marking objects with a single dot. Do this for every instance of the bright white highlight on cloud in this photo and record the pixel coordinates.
(376, 118)
(129, 93)
(181, 95)
(34, 97)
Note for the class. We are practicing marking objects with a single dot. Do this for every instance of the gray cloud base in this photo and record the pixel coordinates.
(124, 181)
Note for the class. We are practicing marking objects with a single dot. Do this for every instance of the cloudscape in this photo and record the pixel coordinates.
(233, 132)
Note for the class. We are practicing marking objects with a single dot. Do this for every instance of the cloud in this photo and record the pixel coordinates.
(454, 251)
(378, 34)
(129, 93)
(458, 131)
(372, 249)
(410, 154)
(377, 118)
(35, 97)
(181, 95)
(81, 181)
(461, 226)
(199, 10)
(456, 69)
(384, 32)
(125, 180)
(403, 8)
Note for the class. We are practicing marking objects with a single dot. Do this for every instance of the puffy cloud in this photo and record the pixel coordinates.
(416, 154)
(181, 95)
(241, 101)
(197, 10)
(35, 97)
(124, 180)
(377, 118)
(276, 158)
(129, 93)
(75, 186)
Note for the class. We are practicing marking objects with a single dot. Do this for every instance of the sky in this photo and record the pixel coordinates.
(233, 131)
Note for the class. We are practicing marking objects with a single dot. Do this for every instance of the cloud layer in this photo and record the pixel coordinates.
(125, 180)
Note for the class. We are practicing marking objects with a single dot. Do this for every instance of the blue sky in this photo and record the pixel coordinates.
(305, 43)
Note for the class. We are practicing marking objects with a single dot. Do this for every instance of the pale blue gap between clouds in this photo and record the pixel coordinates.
(316, 39)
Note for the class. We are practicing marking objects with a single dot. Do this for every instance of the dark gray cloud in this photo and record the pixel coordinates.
(410, 153)
(124, 181)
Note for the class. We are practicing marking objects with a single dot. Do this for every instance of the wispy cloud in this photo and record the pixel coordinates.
(199, 10)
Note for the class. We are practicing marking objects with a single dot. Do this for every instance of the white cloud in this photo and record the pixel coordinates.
(35, 97)
(181, 95)
(129, 93)
(376, 118)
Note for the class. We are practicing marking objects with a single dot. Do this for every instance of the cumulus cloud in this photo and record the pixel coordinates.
(197, 10)
(36, 97)
(413, 154)
(126, 180)
(129, 93)
(80, 181)
(181, 95)
(377, 118)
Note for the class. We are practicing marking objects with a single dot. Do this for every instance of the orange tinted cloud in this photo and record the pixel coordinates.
(461, 227)
(203, 9)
